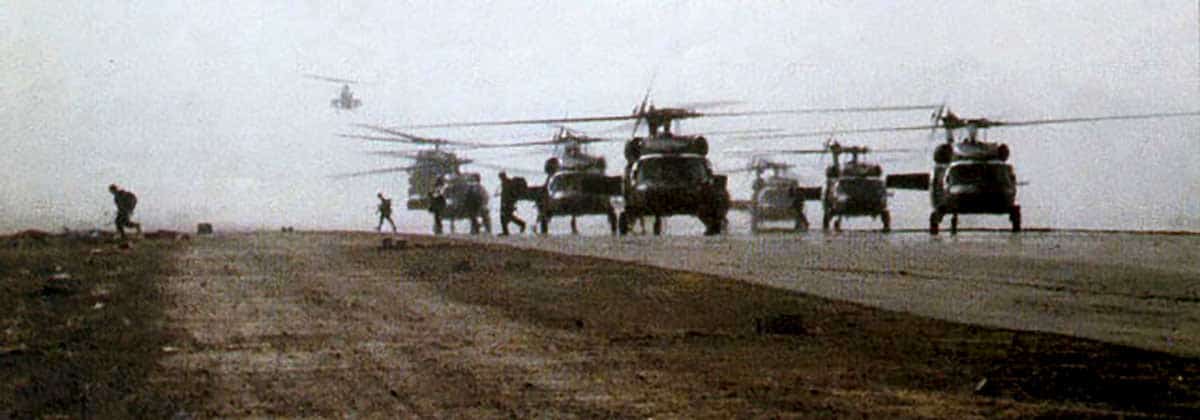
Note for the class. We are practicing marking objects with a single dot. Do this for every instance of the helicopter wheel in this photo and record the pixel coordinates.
(658, 225)
(935, 219)
(954, 224)
(1015, 217)
(612, 221)
(801, 223)
(886, 216)
(437, 222)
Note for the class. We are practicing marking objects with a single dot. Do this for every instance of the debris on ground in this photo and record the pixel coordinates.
(390, 243)
(780, 325)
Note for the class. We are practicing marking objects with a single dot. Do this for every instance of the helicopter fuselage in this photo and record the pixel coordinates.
(973, 177)
(777, 200)
(461, 196)
(674, 184)
(974, 187)
(856, 196)
(577, 193)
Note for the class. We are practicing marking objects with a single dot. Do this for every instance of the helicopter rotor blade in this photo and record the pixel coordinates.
(393, 153)
(640, 111)
(1093, 119)
(526, 122)
(747, 131)
(826, 133)
(777, 151)
(329, 79)
(708, 104)
(862, 109)
(374, 172)
(505, 168)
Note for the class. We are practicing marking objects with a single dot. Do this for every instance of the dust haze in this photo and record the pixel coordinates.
(202, 109)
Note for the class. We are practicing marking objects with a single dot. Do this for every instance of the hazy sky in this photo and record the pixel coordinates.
(201, 107)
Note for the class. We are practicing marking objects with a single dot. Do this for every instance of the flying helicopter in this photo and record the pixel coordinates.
(345, 99)
(971, 175)
(668, 174)
(776, 197)
(436, 182)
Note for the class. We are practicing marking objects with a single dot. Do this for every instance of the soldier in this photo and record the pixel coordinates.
(437, 204)
(125, 201)
(510, 191)
(385, 213)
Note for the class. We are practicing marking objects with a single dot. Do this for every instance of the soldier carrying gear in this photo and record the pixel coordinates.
(511, 189)
(385, 213)
(125, 202)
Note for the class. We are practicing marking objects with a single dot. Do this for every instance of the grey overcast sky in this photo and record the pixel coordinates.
(201, 107)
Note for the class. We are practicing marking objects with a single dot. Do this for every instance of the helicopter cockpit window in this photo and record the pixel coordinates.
(673, 170)
(776, 197)
(567, 182)
(861, 187)
(981, 173)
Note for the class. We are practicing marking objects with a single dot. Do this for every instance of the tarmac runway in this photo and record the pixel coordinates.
(1135, 289)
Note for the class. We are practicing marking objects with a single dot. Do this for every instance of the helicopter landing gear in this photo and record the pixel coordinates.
(1014, 216)
(935, 219)
(713, 225)
(658, 225)
(886, 216)
(954, 224)
(801, 224)
(612, 221)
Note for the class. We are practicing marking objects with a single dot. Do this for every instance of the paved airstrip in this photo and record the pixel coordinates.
(1136, 289)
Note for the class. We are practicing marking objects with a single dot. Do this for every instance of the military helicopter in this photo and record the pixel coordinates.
(576, 184)
(853, 188)
(345, 99)
(668, 174)
(776, 197)
(436, 182)
(970, 175)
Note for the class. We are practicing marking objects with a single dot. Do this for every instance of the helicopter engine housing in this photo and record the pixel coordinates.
(668, 144)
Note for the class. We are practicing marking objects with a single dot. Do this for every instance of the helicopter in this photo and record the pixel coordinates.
(970, 175)
(576, 184)
(668, 174)
(853, 188)
(345, 99)
(776, 197)
(436, 182)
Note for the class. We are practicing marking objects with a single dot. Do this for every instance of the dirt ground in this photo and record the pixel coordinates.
(332, 325)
